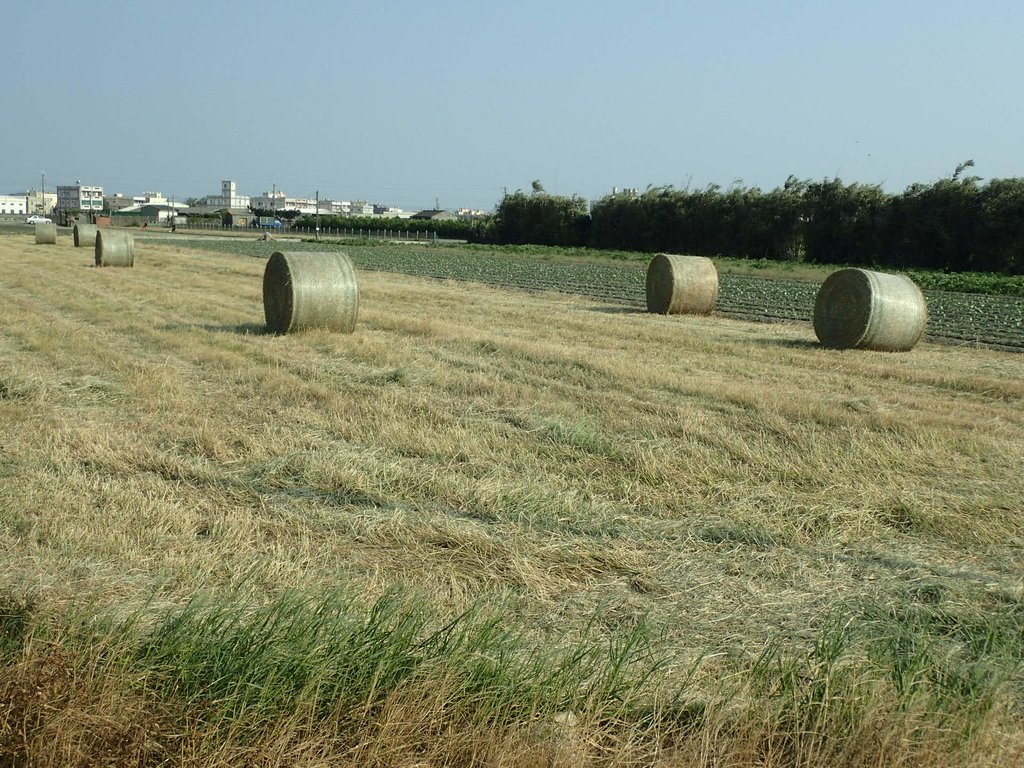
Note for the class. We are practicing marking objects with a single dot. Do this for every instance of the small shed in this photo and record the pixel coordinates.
(237, 218)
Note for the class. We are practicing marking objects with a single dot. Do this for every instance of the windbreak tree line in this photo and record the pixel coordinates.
(955, 224)
(457, 229)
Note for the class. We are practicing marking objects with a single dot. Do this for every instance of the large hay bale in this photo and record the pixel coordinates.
(114, 248)
(310, 290)
(46, 233)
(681, 285)
(861, 309)
(85, 235)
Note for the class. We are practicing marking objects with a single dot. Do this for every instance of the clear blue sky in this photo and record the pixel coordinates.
(407, 102)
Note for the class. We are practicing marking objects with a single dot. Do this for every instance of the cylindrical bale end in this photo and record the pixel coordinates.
(85, 235)
(46, 234)
(681, 285)
(310, 290)
(861, 309)
(114, 248)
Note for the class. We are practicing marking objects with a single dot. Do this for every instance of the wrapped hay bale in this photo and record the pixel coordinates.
(114, 248)
(85, 235)
(310, 290)
(46, 234)
(861, 309)
(681, 285)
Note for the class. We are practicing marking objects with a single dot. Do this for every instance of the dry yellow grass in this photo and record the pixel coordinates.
(732, 483)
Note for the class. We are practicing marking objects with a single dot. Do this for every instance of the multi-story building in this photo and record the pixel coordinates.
(279, 201)
(13, 204)
(40, 202)
(270, 201)
(78, 198)
(228, 198)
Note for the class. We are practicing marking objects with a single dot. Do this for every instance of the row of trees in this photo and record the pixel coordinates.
(456, 229)
(955, 224)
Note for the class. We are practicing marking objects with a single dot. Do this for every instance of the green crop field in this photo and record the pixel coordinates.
(493, 526)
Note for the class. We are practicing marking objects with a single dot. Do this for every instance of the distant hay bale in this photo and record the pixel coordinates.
(310, 290)
(861, 309)
(114, 248)
(46, 234)
(85, 235)
(681, 285)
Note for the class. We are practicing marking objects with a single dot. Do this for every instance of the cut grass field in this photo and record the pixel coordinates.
(493, 528)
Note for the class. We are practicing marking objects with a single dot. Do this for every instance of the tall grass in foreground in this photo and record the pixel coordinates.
(307, 679)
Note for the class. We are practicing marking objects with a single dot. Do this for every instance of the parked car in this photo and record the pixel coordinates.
(35, 218)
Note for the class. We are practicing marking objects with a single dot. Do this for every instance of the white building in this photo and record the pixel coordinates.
(14, 204)
(150, 198)
(278, 201)
(78, 198)
(270, 201)
(228, 198)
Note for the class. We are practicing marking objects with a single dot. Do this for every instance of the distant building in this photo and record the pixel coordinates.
(14, 204)
(78, 198)
(237, 218)
(40, 202)
(228, 198)
(360, 208)
(270, 201)
(117, 202)
(434, 215)
(278, 201)
(390, 212)
(151, 198)
(150, 213)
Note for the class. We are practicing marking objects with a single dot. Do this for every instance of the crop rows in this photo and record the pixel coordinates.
(987, 319)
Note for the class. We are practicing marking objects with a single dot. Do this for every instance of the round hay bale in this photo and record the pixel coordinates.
(861, 309)
(85, 235)
(310, 290)
(46, 234)
(681, 285)
(114, 248)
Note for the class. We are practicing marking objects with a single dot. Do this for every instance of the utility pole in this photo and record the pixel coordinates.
(42, 202)
(318, 215)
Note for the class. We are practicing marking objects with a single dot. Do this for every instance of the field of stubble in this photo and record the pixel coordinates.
(491, 527)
